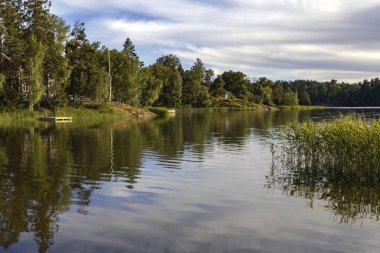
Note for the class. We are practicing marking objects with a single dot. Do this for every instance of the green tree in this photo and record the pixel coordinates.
(37, 18)
(237, 83)
(290, 98)
(171, 61)
(129, 49)
(195, 92)
(304, 98)
(12, 46)
(74, 53)
(217, 87)
(126, 77)
(89, 77)
(36, 54)
(151, 87)
(208, 80)
(262, 91)
(168, 69)
(277, 93)
(56, 68)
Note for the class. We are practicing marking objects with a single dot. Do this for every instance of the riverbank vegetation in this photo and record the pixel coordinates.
(337, 161)
(302, 107)
(348, 143)
(44, 64)
(84, 113)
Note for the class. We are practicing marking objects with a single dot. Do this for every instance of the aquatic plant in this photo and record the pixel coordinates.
(337, 161)
(348, 142)
(301, 107)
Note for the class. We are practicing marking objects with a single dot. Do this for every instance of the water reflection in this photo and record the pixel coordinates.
(48, 170)
(349, 195)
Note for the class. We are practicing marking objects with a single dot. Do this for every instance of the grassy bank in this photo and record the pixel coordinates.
(239, 104)
(348, 143)
(301, 107)
(85, 114)
(89, 113)
(19, 118)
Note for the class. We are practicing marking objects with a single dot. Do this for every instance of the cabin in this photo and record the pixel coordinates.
(227, 95)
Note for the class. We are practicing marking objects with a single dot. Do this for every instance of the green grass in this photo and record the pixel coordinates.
(84, 114)
(80, 115)
(349, 143)
(301, 107)
(19, 118)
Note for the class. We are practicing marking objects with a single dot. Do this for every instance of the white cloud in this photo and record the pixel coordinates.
(281, 39)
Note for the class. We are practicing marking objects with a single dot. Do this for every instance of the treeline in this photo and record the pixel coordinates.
(43, 63)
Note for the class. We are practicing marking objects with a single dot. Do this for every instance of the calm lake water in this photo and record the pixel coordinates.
(202, 181)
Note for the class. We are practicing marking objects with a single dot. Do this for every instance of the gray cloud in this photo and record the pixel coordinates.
(282, 39)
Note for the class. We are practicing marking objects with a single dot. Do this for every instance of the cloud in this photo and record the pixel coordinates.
(281, 39)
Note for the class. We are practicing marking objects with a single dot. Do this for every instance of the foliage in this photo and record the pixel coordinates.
(129, 49)
(217, 87)
(237, 83)
(75, 68)
(151, 87)
(36, 54)
(290, 98)
(195, 88)
(171, 79)
(2, 80)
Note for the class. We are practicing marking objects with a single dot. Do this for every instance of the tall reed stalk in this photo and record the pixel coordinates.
(350, 143)
(337, 161)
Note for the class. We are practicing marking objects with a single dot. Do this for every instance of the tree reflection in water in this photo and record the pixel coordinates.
(48, 170)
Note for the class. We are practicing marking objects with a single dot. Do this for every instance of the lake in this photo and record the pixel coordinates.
(202, 181)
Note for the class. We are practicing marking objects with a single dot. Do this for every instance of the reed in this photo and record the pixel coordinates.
(338, 161)
(349, 142)
(302, 107)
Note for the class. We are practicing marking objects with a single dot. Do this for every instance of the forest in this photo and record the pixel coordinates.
(45, 63)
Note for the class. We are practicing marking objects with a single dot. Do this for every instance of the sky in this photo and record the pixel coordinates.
(279, 39)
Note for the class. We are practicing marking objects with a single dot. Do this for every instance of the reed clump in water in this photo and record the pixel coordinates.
(350, 143)
(337, 161)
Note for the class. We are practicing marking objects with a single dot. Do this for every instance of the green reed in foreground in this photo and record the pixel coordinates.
(350, 143)
(338, 161)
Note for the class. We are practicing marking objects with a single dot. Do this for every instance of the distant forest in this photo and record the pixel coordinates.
(43, 62)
